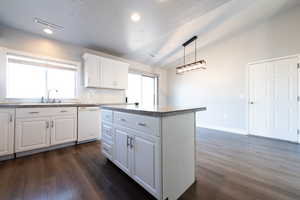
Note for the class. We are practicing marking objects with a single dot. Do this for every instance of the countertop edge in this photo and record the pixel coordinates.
(154, 113)
(12, 105)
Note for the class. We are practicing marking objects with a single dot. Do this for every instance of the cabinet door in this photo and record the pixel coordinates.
(108, 73)
(32, 133)
(145, 162)
(88, 124)
(63, 129)
(6, 132)
(121, 152)
(121, 75)
(92, 70)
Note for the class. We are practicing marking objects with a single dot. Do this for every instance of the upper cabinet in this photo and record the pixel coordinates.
(100, 72)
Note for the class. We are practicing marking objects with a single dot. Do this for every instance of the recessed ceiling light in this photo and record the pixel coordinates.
(48, 31)
(135, 17)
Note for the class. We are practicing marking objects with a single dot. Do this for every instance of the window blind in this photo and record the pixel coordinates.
(12, 58)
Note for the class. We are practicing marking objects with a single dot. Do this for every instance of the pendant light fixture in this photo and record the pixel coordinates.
(196, 64)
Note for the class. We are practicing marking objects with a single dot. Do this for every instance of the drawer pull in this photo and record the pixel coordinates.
(123, 120)
(142, 124)
(47, 125)
(63, 111)
(34, 112)
(10, 118)
(105, 149)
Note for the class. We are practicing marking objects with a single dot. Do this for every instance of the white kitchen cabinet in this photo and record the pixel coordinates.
(38, 128)
(103, 72)
(6, 131)
(63, 129)
(145, 159)
(135, 146)
(156, 150)
(122, 149)
(114, 74)
(88, 123)
(91, 70)
(32, 133)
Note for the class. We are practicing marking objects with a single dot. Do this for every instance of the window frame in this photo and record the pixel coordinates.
(77, 70)
(156, 83)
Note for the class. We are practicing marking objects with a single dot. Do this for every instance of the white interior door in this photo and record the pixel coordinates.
(273, 102)
(285, 104)
(260, 84)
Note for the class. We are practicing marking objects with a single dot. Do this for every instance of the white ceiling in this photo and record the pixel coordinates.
(105, 25)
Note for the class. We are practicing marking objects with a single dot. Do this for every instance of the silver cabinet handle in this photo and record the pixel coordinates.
(131, 142)
(63, 111)
(128, 140)
(142, 124)
(251, 102)
(47, 125)
(123, 120)
(10, 118)
(52, 124)
(34, 112)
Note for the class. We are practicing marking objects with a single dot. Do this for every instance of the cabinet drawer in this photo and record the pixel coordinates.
(139, 122)
(107, 133)
(39, 112)
(107, 115)
(107, 150)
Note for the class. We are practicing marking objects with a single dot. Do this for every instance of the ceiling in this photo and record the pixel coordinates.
(105, 25)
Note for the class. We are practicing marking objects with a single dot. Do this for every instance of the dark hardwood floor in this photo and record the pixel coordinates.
(229, 167)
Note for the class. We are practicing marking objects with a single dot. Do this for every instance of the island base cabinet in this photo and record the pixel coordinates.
(157, 152)
(145, 162)
(6, 132)
(32, 134)
(122, 150)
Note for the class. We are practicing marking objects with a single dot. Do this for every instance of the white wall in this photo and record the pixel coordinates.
(35, 44)
(222, 87)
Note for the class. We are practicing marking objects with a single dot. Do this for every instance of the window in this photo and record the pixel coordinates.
(142, 89)
(30, 78)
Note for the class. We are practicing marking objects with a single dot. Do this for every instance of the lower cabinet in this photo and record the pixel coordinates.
(137, 154)
(32, 134)
(7, 131)
(44, 127)
(122, 150)
(63, 129)
(145, 162)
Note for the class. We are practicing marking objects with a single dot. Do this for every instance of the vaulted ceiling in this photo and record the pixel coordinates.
(105, 25)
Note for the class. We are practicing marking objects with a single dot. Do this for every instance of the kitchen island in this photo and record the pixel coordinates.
(155, 146)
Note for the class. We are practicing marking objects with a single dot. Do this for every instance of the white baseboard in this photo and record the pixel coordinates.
(224, 129)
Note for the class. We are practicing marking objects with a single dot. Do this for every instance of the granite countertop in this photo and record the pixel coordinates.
(157, 111)
(42, 105)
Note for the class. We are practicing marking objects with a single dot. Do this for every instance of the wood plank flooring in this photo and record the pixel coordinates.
(229, 167)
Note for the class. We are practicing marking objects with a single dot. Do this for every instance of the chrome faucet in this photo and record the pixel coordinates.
(48, 96)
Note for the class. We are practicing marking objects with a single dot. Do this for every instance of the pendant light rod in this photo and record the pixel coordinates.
(190, 41)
